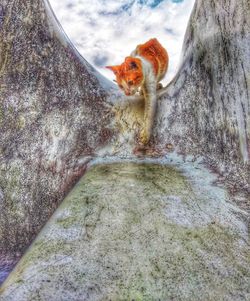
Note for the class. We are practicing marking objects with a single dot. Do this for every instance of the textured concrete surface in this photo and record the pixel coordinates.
(138, 231)
(210, 108)
(205, 110)
(53, 117)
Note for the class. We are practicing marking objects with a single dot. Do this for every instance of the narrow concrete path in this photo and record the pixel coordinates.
(138, 231)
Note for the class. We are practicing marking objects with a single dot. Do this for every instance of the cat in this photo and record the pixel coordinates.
(143, 69)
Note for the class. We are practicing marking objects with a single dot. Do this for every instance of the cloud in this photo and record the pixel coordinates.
(100, 60)
(106, 31)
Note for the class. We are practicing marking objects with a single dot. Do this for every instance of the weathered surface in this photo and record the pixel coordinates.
(206, 108)
(53, 116)
(131, 231)
(210, 96)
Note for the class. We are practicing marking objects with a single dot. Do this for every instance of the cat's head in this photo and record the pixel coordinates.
(129, 75)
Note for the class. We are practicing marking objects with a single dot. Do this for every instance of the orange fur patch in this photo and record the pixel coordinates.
(153, 52)
(129, 74)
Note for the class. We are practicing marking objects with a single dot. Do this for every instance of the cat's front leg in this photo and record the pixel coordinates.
(149, 92)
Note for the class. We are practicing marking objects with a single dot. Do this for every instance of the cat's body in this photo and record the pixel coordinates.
(143, 69)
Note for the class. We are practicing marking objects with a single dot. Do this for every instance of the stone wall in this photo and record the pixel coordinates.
(56, 112)
(53, 117)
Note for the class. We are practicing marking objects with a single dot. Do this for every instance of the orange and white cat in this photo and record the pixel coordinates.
(143, 69)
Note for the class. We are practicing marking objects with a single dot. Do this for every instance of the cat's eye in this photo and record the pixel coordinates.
(120, 86)
(130, 83)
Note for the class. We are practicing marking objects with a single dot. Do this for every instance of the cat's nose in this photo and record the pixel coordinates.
(127, 93)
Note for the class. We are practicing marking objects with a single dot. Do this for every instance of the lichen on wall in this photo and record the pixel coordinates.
(53, 117)
(138, 231)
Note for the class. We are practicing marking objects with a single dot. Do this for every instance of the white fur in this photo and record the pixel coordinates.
(149, 91)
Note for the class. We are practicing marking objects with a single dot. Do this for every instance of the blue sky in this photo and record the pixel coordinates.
(106, 31)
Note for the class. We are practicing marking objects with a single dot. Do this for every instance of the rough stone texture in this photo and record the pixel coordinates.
(53, 116)
(211, 90)
(210, 96)
(138, 231)
(206, 108)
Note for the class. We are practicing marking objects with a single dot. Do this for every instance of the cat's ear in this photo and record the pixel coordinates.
(133, 65)
(115, 69)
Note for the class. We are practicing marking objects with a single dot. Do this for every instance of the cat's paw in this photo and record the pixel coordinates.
(144, 137)
(159, 86)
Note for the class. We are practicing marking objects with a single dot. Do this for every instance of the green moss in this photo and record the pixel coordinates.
(21, 122)
(125, 242)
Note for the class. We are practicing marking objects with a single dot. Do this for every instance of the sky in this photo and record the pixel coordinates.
(106, 31)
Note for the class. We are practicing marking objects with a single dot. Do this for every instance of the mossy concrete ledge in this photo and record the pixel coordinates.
(137, 231)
